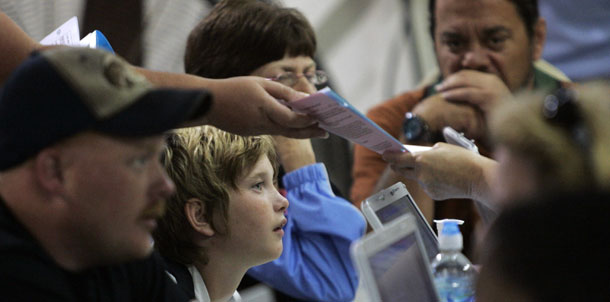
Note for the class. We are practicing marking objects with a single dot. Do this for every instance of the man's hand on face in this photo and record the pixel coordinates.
(463, 117)
(483, 90)
(250, 106)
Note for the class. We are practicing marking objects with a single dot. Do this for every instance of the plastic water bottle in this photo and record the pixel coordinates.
(454, 275)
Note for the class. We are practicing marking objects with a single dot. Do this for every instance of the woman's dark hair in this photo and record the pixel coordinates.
(239, 36)
(527, 9)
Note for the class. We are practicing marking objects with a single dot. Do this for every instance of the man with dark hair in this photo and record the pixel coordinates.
(485, 50)
(527, 10)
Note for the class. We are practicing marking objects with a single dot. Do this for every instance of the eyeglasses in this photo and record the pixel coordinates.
(560, 108)
(317, 77)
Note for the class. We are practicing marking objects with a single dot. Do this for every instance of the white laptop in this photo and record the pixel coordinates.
(392, 203)
(393, 265)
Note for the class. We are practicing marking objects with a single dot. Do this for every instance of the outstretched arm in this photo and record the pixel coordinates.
(245, 106)
(15, 46)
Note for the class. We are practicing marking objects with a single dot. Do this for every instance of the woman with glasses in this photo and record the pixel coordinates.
(253, 38)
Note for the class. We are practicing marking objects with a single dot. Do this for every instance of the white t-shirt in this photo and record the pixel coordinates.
(201, 292)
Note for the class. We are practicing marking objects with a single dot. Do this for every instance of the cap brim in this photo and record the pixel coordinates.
(156, 112)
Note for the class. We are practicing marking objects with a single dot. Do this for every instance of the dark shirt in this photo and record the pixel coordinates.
(28, 273)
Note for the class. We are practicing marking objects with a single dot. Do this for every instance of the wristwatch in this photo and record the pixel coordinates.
(416, 129)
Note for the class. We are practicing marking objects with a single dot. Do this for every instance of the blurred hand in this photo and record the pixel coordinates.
(483, 90)
(294, 153)
(249, 106)
(444, 172)
(438, 113)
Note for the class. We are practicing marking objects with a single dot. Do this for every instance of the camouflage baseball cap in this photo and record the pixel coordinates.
(60, 92)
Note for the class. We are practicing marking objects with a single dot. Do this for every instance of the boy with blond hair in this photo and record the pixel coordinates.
(228, 216)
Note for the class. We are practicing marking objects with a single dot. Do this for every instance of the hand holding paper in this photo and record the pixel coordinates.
(337, 116)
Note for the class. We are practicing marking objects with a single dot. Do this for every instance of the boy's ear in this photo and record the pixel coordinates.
(195, 213)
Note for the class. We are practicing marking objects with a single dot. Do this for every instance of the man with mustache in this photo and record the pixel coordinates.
(81, 184)
(485, 50)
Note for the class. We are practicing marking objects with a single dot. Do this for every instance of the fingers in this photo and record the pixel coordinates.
(400, 160)
(282, 92)
(463, 94)
(459, 79)
(284, 116)
(402, 163)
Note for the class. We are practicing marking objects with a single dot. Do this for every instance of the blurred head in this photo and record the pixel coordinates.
(548, 249)
(225, 200)
(502, 37)
(538, 151)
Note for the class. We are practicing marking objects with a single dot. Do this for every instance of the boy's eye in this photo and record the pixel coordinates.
(259, 185)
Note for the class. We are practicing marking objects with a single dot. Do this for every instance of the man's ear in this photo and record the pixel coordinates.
(195, 212)
(538, 38)
(49, 171)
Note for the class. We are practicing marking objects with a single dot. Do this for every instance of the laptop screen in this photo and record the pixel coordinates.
(401, 273)
(407, 205)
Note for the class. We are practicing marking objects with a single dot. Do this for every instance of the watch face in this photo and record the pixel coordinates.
(412, 128)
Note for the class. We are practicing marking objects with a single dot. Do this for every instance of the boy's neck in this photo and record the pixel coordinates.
(221, 277)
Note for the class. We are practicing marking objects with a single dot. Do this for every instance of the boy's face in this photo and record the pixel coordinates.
(256, 216)
(300, 66)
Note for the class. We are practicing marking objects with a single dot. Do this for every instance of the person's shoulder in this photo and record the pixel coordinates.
(29, 275)
(145, 279)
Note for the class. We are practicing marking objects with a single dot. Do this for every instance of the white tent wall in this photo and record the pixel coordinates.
(365, 46)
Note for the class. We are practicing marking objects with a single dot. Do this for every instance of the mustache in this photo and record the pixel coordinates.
(157, 210)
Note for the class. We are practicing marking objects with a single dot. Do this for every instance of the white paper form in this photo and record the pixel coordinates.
(337, 116)
(66, 34)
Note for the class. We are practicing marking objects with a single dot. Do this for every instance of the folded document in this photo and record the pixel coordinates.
(338, 116)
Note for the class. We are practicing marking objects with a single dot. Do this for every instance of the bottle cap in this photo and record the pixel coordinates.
(440, 222)
(450, 238)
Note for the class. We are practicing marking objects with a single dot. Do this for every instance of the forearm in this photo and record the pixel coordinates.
(175, 80)
(484, 203)
(15, 46)
(294, 153)
(483, 180)
(183, 81)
